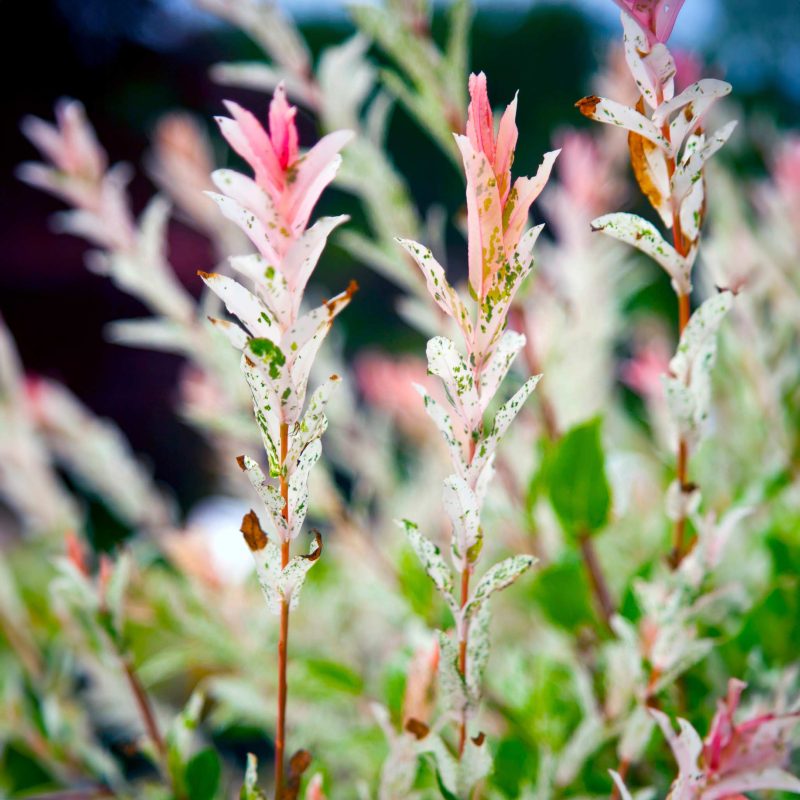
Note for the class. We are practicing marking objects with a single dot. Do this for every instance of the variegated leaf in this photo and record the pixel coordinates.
(478, 650)
(451, 684)
(265, 407)
(444, 423)
(243, 304)
(313, 423)
(269, 283)
(689, 383)
(498, 365)
(298, 487)
(691, 170)
(445, 296)
(461, 507)
(293, 575)
(505, 416)
(498, 577)
(613, 113)
(269, 494)
(432, 562)
(693, 104)
(642, 235)
(449, 365)
(493, 309)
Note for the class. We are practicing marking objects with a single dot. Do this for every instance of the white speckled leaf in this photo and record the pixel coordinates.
(293, 576)
(268, 568)
(689, 383)
(253, 228)
(691, 170)
(498, 365)
(298, 487)
(302, 257)
(478, 650)
(269, 284)
(445, 296)
(493, 310)
(255, 316)
(231, 331)
(269, 494)
(431, 559)
(461, 507)
(313, 423)
(302, 342)
(449, 365)
(444, 423)
(505, 416)
(693, 104)
(613, 113)
(265, 407)
(475, 764)
(451, 684)
(644, 236)
(498, 577)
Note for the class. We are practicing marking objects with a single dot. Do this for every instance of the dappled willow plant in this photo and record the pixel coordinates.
(669, 151)
(278, 341)
(500, 249)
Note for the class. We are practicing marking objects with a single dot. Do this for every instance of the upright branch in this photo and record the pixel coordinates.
(278, 343)
(669, 150)
(500, 257)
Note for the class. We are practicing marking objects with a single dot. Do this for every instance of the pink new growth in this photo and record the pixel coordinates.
(497, 212)
(273, 210)
(734, 758)
(655, 17)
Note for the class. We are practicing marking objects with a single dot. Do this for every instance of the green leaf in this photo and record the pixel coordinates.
(579, 490)
(202, 775)
(562, 593)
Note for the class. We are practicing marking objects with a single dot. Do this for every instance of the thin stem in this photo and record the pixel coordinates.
(602, 595)
(283, 640)
(145, 709)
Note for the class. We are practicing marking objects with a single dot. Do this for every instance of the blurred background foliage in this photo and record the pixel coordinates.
(131, 61)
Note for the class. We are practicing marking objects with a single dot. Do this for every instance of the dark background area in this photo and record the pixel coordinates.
(129, 61)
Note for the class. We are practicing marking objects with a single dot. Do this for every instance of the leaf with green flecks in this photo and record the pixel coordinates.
(451, 684)
(461, 506)
(486, 447)
(431, 559)
(498, 577)
(576, 475)
(688, 386)
(478, 650)
(644, 236)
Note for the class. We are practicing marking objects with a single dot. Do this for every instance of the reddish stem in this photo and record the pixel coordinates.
(600, 590)
(145, 709)
(283, 640)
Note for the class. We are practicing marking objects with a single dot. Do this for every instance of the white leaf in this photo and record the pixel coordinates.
(505, 416)
(444, 423)
(461, 507)
(498, 577)
(451, 683)
(298, 487)
(269, 494)
(613, 113)
(478, 650)
(691, 171)
(269, 284)
(442, 292)
(447, 363)
(313, 423)
(432, 562)
(302, 257)
(689, 382)
(294, 573)
(498, 365)
(641, 234)
(242, 304)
